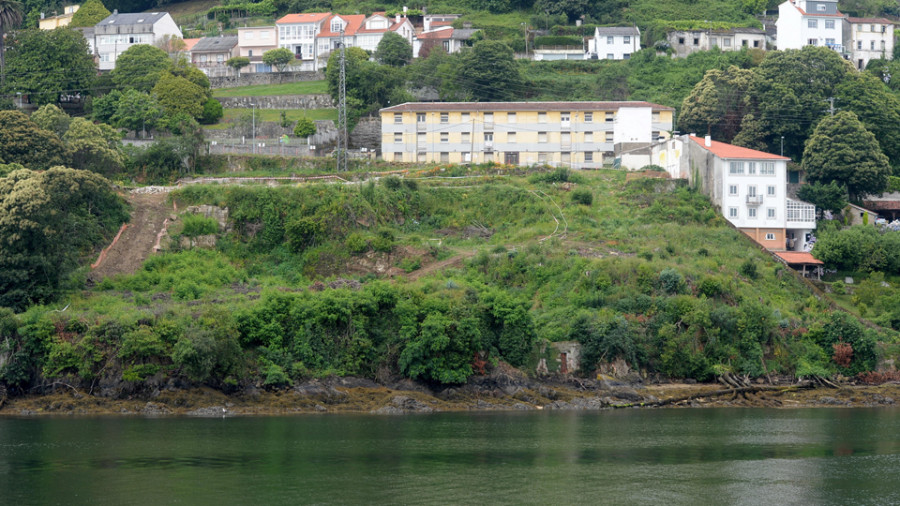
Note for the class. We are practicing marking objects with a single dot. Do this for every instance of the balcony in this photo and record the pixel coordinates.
(754, 200)
(800, 214)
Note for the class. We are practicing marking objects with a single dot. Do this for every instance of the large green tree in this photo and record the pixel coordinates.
(52, 118)
(10, 17)
(46, 64)
(393, 50)
(94, 146)
(716, 105)
(831, 196)
(22, 141)
(488, 72)
(140, 67)
(370, 85)
(877, 108)
(89, 14)
(278, 58)
(135, 111)
(48, 221)
(177, 95)
(843, 151)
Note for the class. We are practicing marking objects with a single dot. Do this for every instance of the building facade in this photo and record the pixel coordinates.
(52, 22)
(685, 42)
(118, 32)
(870, 39)
(209, 55)
(811, 23)
(749, 187)
(253, 42)
(298, 32)
(614, 43)
(569, 134)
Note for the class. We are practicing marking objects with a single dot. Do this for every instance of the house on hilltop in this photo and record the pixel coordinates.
(253, 42)
(811, 23)
(118, 32)
(209, 54)
(614, 43)
(52, 22)
(870, 39)
(685, 42)
(298, 32)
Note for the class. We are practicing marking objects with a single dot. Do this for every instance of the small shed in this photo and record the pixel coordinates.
(802, 261)
(857, 215)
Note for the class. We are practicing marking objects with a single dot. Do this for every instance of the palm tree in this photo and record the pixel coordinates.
(10, 16)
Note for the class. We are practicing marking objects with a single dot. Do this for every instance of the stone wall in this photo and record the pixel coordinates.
(367, 134)
(257, 78)
(278, 102)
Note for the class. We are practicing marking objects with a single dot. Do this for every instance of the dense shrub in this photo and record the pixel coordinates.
(195, 225)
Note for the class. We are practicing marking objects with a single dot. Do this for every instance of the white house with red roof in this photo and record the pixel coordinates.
(298, 32)
(330, 37)
(748, 186)
(811, 23)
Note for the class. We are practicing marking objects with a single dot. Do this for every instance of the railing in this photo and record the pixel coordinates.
(800, 212)
(754, 199)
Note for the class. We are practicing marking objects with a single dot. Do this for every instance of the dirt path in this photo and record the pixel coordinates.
(149, 211)
(443, 264)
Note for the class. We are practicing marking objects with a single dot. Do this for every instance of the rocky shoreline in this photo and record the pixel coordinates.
(497, 392)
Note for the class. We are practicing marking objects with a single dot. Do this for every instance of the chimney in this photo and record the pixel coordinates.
(707, 141)
(42, 15)
(397, 18)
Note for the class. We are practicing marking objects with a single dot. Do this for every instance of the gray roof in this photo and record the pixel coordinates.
(520, 106)
(210, 44)
(617, 30)
(141, 18)
(462, 33)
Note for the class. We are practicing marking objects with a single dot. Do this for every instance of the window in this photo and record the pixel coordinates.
(813, 42)
(488, 138)
(821, 8)
(770, 237)
(588, 156)
(770, 191)
(588, 117)
(751, 213)
(610, 56)
(565, 138)
(445, 117)
(420, 156)
(565, 117)
(589, 137)
(511, 137)
(465, 117)
(542, 117)
(681, 40)
(445, 137)
(466, 156)
(859, 44)
(489, 118)
(751, 191)
(609, 39)
(654, 116)
(626, 56)
(511, 117)
(398, 137)
(567, 157)
(654, 135)
(732, 212)
(744, 42)
(732, 189)
(543, 157)
(872, 44)
(445, 157)
(420, 117)
(872, 28)
(626, 39)
(609, 137)
(398, 156)
(756, 43)
(829, 24)
(542, 136)
(770, 213)
(767, 168)
(466, 137)
(336, 25)
(736, 168)
(421, 139)
(829, 43)
(726, 42)
(398, 118)
(610, 117)
(696, 41)
(713, 41)
(250, 52)
(751, 168)
(812, 23)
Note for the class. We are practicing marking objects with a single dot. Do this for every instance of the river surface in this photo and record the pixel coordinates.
(670, 456)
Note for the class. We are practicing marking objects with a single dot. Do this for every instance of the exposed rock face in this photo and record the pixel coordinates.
(220, 214)
(401, 405)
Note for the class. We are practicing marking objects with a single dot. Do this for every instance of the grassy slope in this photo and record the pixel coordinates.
(301, 88)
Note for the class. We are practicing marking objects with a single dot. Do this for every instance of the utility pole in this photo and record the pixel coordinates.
(342, 144)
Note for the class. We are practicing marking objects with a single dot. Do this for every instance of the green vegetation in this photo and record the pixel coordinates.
(300, 88)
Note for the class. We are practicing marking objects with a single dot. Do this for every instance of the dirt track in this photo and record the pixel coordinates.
(149, 211)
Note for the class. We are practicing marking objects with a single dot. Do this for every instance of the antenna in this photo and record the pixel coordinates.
(342, 146)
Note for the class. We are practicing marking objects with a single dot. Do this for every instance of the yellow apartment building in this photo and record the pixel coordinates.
(572, 134)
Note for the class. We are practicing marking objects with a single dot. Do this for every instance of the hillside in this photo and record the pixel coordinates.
(436, 279)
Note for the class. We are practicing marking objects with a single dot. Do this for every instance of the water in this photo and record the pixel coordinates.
(701, 456)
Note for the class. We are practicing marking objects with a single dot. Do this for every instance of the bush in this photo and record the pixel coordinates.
(196, 225)
(356, 243)
(839, 288)
(384, 240)
(583, 197)
(212, 112)
(748, 269)
(671, 281)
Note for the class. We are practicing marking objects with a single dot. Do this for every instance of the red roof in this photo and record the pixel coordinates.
(798, 257)
(882, 205)
(730, 151)
(444, 33)
(190, 43)
(312, 17)
(882, 21)
(354, 21)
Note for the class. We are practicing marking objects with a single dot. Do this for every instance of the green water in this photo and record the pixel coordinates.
(700, 456)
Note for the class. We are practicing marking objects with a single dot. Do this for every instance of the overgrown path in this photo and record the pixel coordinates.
(135, 244)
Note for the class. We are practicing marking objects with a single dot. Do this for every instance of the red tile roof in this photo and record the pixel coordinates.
(519, 106)
(444, 33)
(882, 205)
(730, 151)
(799, 257)
(190, 43)
(311, 17)
(354, 21)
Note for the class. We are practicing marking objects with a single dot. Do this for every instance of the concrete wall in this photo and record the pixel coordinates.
(367, 134)
(264, 78)
(278, 102)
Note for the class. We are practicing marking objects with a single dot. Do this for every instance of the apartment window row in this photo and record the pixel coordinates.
(565, 117)
(752, 168)
(751, 190)
(511, 137)
(752, 214)
(626, 39)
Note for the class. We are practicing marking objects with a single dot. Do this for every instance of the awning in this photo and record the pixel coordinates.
(798, 258)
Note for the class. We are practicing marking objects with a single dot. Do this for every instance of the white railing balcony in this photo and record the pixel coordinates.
(755, 199)
(800, 213)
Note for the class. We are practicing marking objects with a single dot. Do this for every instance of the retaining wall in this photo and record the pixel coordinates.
(278, 102)
(257, 78)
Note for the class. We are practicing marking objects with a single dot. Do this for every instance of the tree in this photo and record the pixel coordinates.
(304, 128)
(212, 112)
(104, 106)
(94, 147)
(52, 118)
(140, 67)
(393, 50)
(46, 64)
(10, 16)
(182, 67)
(38, 213)
(178, 95)
(717, 104)
(237, 63)
(22, 141)
(877, 108)
(831, 196)
(370, 85)
(173, 45)
(572, 9)
(488, 72)
(278, 58)
(90, 13)
(133, 110)
(842, 150)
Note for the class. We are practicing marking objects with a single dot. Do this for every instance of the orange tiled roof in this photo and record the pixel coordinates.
(725, 150)
(190, 43)
(798, 257)
(312, 17)
(354, 22)
(444, 33)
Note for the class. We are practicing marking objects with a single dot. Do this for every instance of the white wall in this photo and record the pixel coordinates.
(761, 182)
(633, 124)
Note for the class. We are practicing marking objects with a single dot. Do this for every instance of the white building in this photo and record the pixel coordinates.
(685, 42)
(253, 42)
(614, 43)
(810, 23)
(298, 32)
(749, 187)
(871, 39)
(118, 32)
